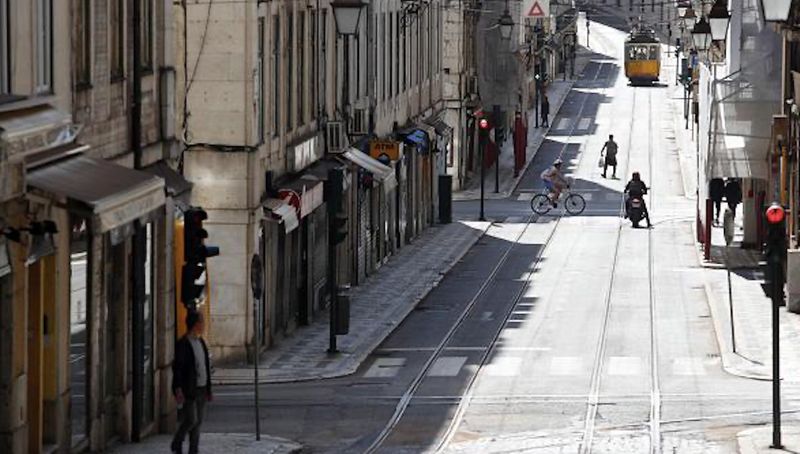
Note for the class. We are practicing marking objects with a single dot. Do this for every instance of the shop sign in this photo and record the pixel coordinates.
(384, 148)
(304, 154)
(305, 201)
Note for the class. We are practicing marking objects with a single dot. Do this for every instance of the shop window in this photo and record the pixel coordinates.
(116, 30)
(44, 46)
(79, 302)
(83, 46)
(147, 35)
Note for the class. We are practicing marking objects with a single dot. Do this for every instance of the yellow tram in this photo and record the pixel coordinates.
(642, 56)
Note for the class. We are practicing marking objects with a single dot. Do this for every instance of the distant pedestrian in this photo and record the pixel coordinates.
(520, 135)
(716, 190)
(191, 383)
(610, 148)
(733, 193)
(545, 111)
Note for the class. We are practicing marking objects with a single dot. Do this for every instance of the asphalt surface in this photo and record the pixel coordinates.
(554, 333)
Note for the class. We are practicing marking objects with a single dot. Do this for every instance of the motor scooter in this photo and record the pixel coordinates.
(635, 211)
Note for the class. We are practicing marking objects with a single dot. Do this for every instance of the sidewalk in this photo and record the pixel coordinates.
(377, 307)
(214, 442)
(557, 92)
(758, 440)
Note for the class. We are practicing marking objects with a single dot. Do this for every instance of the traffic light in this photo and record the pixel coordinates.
(776, 249)
(195, 253)
(483, 131)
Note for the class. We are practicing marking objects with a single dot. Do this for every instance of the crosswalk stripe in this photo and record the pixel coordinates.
(447, 366)
(505, 366)
(565, 365)
(563, 123)
(624, 365)
(584, 123)
(525, 197)
(385, 368)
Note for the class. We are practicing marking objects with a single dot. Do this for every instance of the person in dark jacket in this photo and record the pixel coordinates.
(636, 189)
(191, 382)
(611, 149)
(545, 110)
(733, 194)
(716, 190)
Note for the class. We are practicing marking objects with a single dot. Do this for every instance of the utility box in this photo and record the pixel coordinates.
(445, 199)
(793, 281)
(343, 310)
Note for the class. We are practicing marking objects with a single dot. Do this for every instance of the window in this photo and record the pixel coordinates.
(79, 284)
(403, 63)
(116, 30)
(301, 66)
(391, 52)
(44, 46)
(260, 95)
(289, 71)
(313, 65)
(147, 35)
(83, 46)
(5, 54)
(386, 35)
(276, 74)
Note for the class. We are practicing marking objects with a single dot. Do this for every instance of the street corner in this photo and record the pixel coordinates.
(230, 443)
(758, 440)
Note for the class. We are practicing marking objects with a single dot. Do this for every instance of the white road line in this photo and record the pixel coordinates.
(587, 196)
(503, 367)
(564, 123)
(525, 197)
(385, 368)
(624, 365)
(447, 366)
(688, 366)
(487, 316)
(584, 123)
(566, 365)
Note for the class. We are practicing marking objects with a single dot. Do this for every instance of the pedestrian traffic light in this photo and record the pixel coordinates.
(776, 250)
(194, 235)
(484, 124)
(193, 284)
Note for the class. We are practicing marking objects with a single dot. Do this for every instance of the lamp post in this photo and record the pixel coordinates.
(776, 10)
(701, 35)
(718, 20)
(347, 14)
(506, 24)
(483, 135)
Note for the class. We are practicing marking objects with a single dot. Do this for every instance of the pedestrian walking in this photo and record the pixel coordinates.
(716, 190)
(610, 148)
(191, 383)
(733, 194)
(520, 135)
(545, 110)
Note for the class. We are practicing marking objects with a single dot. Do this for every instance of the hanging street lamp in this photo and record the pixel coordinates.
(347, 14)
(683, 5)
(689, 18)
(718, 19)
(776, 10)
(701, 35)
(506, 25)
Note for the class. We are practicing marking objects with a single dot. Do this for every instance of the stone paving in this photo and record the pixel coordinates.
(758, 440)
(214, 443)
(377, 307)
(557, 92)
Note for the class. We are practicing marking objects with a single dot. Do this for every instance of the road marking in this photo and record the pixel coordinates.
(564, 123)
(385, 368)
(587, 196)
(584, 123)
(447, 366)
(624, 365)
(525, 196)
(688, 366)
(565, 365)
(487, 316)
(504, 367)
(514, 220)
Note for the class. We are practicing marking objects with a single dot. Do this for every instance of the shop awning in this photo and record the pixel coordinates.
(383, 173)
(282, 212)
(113, 195)
(306, 192)
(441, 128)
(177, 186)
(416, 137)
(36, 128)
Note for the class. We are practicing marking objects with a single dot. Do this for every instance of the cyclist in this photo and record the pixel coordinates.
(554, 181)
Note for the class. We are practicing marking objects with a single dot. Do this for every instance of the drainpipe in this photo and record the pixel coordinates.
(139, 236)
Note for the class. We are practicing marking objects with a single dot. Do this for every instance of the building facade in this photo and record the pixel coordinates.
(86, 325)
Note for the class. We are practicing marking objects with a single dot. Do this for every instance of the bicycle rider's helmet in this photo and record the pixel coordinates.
(558, 162)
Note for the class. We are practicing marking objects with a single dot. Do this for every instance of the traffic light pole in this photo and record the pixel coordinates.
(777, 292)
(483, 166)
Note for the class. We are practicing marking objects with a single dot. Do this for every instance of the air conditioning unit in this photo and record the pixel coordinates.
(472, 85)
(359, 123)
(337, 142)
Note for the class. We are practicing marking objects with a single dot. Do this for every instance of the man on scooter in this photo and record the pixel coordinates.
(636, 189)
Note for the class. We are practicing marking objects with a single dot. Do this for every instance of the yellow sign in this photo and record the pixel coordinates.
(390, 149)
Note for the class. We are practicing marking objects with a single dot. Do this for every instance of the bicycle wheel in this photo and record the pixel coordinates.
(575, 204)
(540, 204)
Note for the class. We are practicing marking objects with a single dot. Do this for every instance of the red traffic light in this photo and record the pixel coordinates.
(484, 123)
(775, 214)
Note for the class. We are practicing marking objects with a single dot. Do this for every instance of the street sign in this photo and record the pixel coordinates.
(537, 8)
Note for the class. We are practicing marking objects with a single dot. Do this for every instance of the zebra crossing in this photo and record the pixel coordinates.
(558, 366)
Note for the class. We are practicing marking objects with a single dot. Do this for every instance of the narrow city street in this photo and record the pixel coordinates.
(553, 333)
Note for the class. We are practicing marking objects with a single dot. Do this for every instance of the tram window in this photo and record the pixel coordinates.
(631, 53)
(653, 53)
(641, 53)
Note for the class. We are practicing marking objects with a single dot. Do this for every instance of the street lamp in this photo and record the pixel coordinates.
(347, 14)
(718, 20)
(506, 25)
(689, 18)
(683, 5)
(701, 35)
(776, 10)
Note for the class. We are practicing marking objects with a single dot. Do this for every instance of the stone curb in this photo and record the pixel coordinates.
(353, 362)
(756, 440)
(537, 144)
(234, 442)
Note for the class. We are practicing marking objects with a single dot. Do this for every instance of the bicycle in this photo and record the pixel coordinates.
(574, 203)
